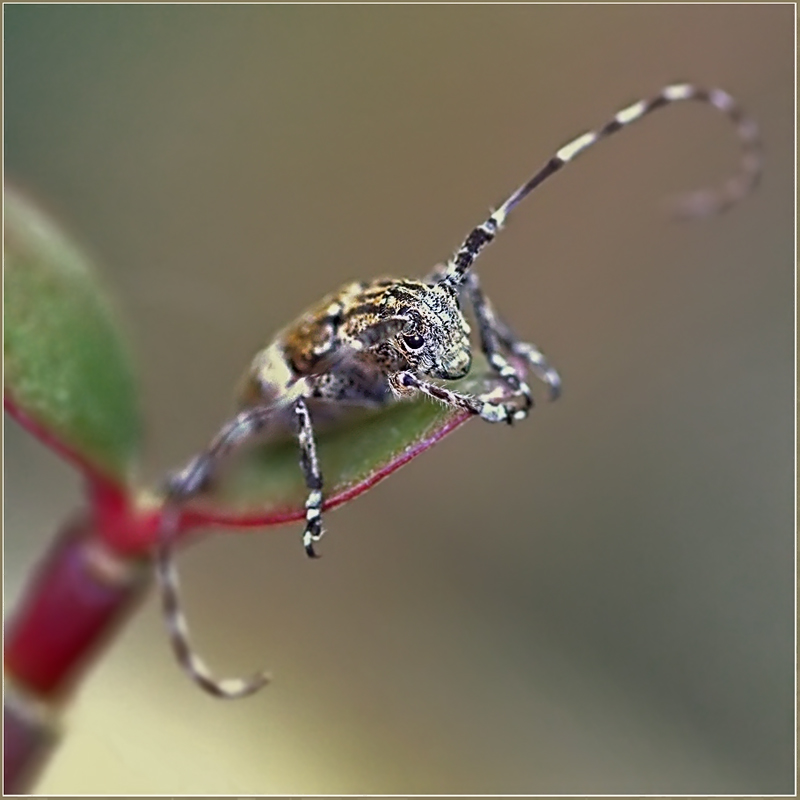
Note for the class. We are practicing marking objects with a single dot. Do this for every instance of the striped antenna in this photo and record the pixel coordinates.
(178, 630)
(182, 486)
(697, 204)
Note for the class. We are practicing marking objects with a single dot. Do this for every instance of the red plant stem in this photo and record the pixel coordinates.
(30, 732)
(96, 569)
(90, 579)
(75, 599)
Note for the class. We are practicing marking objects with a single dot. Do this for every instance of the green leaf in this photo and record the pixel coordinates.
(68, 373)
(265, 486)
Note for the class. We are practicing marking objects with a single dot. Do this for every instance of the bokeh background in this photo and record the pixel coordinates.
(598, 600)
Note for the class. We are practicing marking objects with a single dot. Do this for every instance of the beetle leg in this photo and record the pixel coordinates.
(496, 334)
(311, 472)
(485, 406)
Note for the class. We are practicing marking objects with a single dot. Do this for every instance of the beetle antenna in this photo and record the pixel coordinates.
(177, 628)
(181, 487)
(702, 203)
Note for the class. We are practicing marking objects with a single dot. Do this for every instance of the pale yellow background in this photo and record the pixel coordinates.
(598, 600)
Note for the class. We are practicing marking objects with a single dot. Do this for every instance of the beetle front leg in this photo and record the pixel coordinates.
(313, 476)
(492, 344)
(485, 406)
(496, 334)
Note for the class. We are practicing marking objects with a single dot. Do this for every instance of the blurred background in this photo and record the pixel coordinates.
(599, 600)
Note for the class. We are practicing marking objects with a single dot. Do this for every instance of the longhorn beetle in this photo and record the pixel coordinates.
(379, 342)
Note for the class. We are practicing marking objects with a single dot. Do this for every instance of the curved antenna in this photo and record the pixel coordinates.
(696, 204)
(181, 487)
(178, 630)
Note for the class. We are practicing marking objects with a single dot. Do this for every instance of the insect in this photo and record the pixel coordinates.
(379, 342)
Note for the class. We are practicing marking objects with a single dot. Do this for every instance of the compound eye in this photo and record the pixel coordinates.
(413, 341)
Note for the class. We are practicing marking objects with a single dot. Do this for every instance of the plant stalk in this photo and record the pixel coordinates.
(76, 599)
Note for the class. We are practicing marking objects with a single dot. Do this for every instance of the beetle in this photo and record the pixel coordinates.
(374, 343)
